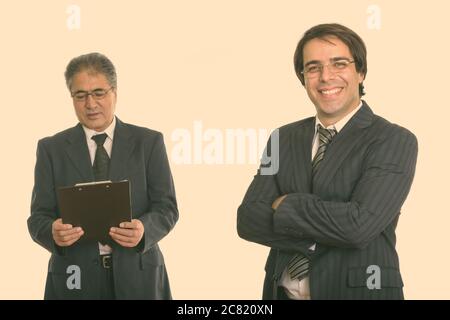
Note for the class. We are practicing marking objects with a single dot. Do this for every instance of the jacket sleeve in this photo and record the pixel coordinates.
(43, 201)
(163, 213)
(255, 216)
(376, 200)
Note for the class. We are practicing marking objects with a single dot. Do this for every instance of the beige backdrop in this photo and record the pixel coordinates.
(229, 65)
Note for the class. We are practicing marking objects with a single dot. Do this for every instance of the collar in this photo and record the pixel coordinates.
(341, 123)
(109, 131)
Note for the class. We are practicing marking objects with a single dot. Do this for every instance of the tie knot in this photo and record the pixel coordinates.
(326, 135)
(99, 139)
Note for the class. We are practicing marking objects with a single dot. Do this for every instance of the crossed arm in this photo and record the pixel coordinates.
(287, 222)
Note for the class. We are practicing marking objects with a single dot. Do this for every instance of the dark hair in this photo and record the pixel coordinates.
(92, 62)
(349, 37)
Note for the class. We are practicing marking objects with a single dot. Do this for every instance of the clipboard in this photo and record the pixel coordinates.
(95, 207)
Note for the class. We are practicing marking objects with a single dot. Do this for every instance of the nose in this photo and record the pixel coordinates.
(91, 103)
(326, 74)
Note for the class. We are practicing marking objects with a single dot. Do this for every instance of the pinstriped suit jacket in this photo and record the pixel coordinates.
(350, 208)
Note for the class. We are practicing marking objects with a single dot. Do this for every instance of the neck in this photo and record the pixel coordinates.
(327, 121)
(331, 119)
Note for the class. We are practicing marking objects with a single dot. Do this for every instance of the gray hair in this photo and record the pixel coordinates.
(92, 62)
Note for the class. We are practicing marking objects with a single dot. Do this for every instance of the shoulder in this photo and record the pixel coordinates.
(143, 132)
(381, 129)
(58, 138)
(384, 129)
(144, 137)
(295, 126)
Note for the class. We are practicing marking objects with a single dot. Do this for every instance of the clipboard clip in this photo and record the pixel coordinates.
(81, 185)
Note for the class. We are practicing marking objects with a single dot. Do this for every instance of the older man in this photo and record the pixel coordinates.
(101, 147)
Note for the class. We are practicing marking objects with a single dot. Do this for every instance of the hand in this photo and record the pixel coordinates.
(129, 234)
(278, 201)
(65, 234)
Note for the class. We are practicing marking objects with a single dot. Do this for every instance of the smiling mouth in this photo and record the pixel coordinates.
(330, 92)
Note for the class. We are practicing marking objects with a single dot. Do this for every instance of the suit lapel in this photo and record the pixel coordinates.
(342, 145)
(123, 146)
(78, 153)
(301, 145)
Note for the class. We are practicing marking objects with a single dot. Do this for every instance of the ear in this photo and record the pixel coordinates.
(361, 77)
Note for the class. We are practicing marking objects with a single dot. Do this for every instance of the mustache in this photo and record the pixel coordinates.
(92, 112)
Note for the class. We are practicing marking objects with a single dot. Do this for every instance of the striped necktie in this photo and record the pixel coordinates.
(101, 160)
(325, 137)
(298, 267)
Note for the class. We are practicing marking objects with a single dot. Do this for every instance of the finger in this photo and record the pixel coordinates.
(68, 241)
(58, 225)
(128, 224)
(122, 238)
(124, 232)
(69, 232)
(70, 237)
(138, 223)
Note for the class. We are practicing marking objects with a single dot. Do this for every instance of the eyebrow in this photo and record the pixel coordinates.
(331, 60)
(88, 91)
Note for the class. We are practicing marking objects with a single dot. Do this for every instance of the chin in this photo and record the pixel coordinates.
(93, 125)
(330, 108)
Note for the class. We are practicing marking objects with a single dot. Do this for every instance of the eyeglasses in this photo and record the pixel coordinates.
(314, 70)
(97, 94)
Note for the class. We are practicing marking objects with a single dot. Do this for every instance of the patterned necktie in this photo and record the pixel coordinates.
(101, 161)
(298, 267)
(325, 137)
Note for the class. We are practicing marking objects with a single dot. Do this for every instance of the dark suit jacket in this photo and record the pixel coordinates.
(350, 208)
(139, 155)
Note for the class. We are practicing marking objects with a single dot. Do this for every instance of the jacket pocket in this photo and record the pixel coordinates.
(389, 277)
(152, 257)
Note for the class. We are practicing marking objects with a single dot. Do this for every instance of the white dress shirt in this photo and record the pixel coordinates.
(92, 146)
(295, 289)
